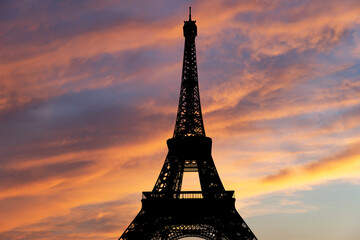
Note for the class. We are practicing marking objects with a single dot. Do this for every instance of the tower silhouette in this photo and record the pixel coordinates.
(169, 213)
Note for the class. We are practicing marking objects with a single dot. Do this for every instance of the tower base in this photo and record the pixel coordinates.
(170, 219)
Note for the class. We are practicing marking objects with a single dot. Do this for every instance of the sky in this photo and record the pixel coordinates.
(89, 93)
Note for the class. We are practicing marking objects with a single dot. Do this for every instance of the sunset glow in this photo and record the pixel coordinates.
(89, 93)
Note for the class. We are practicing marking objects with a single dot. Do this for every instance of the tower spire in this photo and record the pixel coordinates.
(189, 120)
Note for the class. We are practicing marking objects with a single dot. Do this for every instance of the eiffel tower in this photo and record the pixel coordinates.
(168, 213)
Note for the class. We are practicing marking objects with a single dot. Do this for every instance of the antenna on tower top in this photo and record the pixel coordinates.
(189, 13)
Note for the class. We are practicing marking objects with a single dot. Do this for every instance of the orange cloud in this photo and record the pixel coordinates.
(344, 164)
(260, 104)
(340, 166)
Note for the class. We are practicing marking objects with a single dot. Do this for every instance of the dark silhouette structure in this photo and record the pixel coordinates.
(169, 213)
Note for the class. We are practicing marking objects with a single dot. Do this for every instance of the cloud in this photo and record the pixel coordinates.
(89, 92)
(93, 221)
(343, 164)
(338, 166)
(272, 204)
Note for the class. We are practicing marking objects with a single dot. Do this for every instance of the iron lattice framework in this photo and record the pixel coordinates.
(169, 213)
(189, 118)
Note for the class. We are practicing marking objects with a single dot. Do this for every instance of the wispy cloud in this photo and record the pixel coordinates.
(88, 97)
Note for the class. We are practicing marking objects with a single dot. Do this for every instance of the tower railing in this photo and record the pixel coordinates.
(188, 195)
